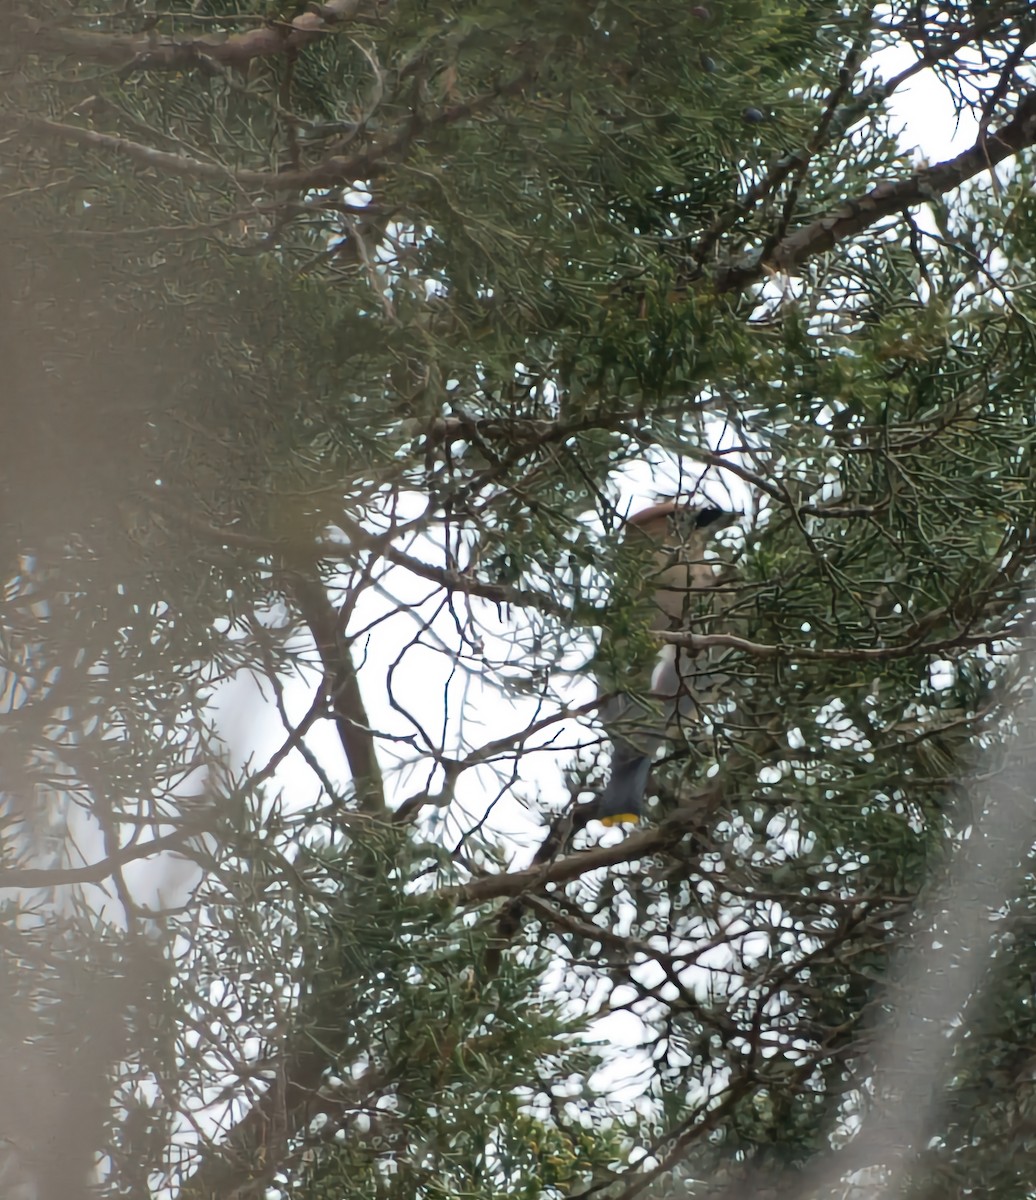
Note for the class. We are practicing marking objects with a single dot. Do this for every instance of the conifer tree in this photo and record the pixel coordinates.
(338, 341)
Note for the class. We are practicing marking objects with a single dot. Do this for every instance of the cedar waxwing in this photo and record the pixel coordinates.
(677, 533)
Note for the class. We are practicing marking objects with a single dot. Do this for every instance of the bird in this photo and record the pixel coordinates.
(673, 535)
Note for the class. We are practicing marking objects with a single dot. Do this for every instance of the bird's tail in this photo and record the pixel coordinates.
(622, 800)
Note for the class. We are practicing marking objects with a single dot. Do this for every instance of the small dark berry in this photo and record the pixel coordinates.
(753, 116)
(701, 12)
(709, 64)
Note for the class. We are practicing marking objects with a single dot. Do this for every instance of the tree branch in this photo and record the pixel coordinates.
(887, 198)
(703, 641)
(33, 877)
(333, 171)
(564, 870)
(237, 50)
(343, 689)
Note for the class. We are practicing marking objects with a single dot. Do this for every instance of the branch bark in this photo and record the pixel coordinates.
(272, 39)
(343, 689)
(334, 171)
(885, 199)
(564, 870)
(33, 877)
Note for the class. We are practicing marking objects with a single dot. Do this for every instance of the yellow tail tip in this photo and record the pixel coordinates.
(620, 819)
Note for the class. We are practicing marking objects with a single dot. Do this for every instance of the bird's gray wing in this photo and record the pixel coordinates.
(636, 729)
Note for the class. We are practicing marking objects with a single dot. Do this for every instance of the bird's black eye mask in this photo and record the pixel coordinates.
(709, 516)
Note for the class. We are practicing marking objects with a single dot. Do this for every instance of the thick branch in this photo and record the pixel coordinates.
(180, 53)
(887, 198)
(564, 870)
(32, 877)
(343, 689)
